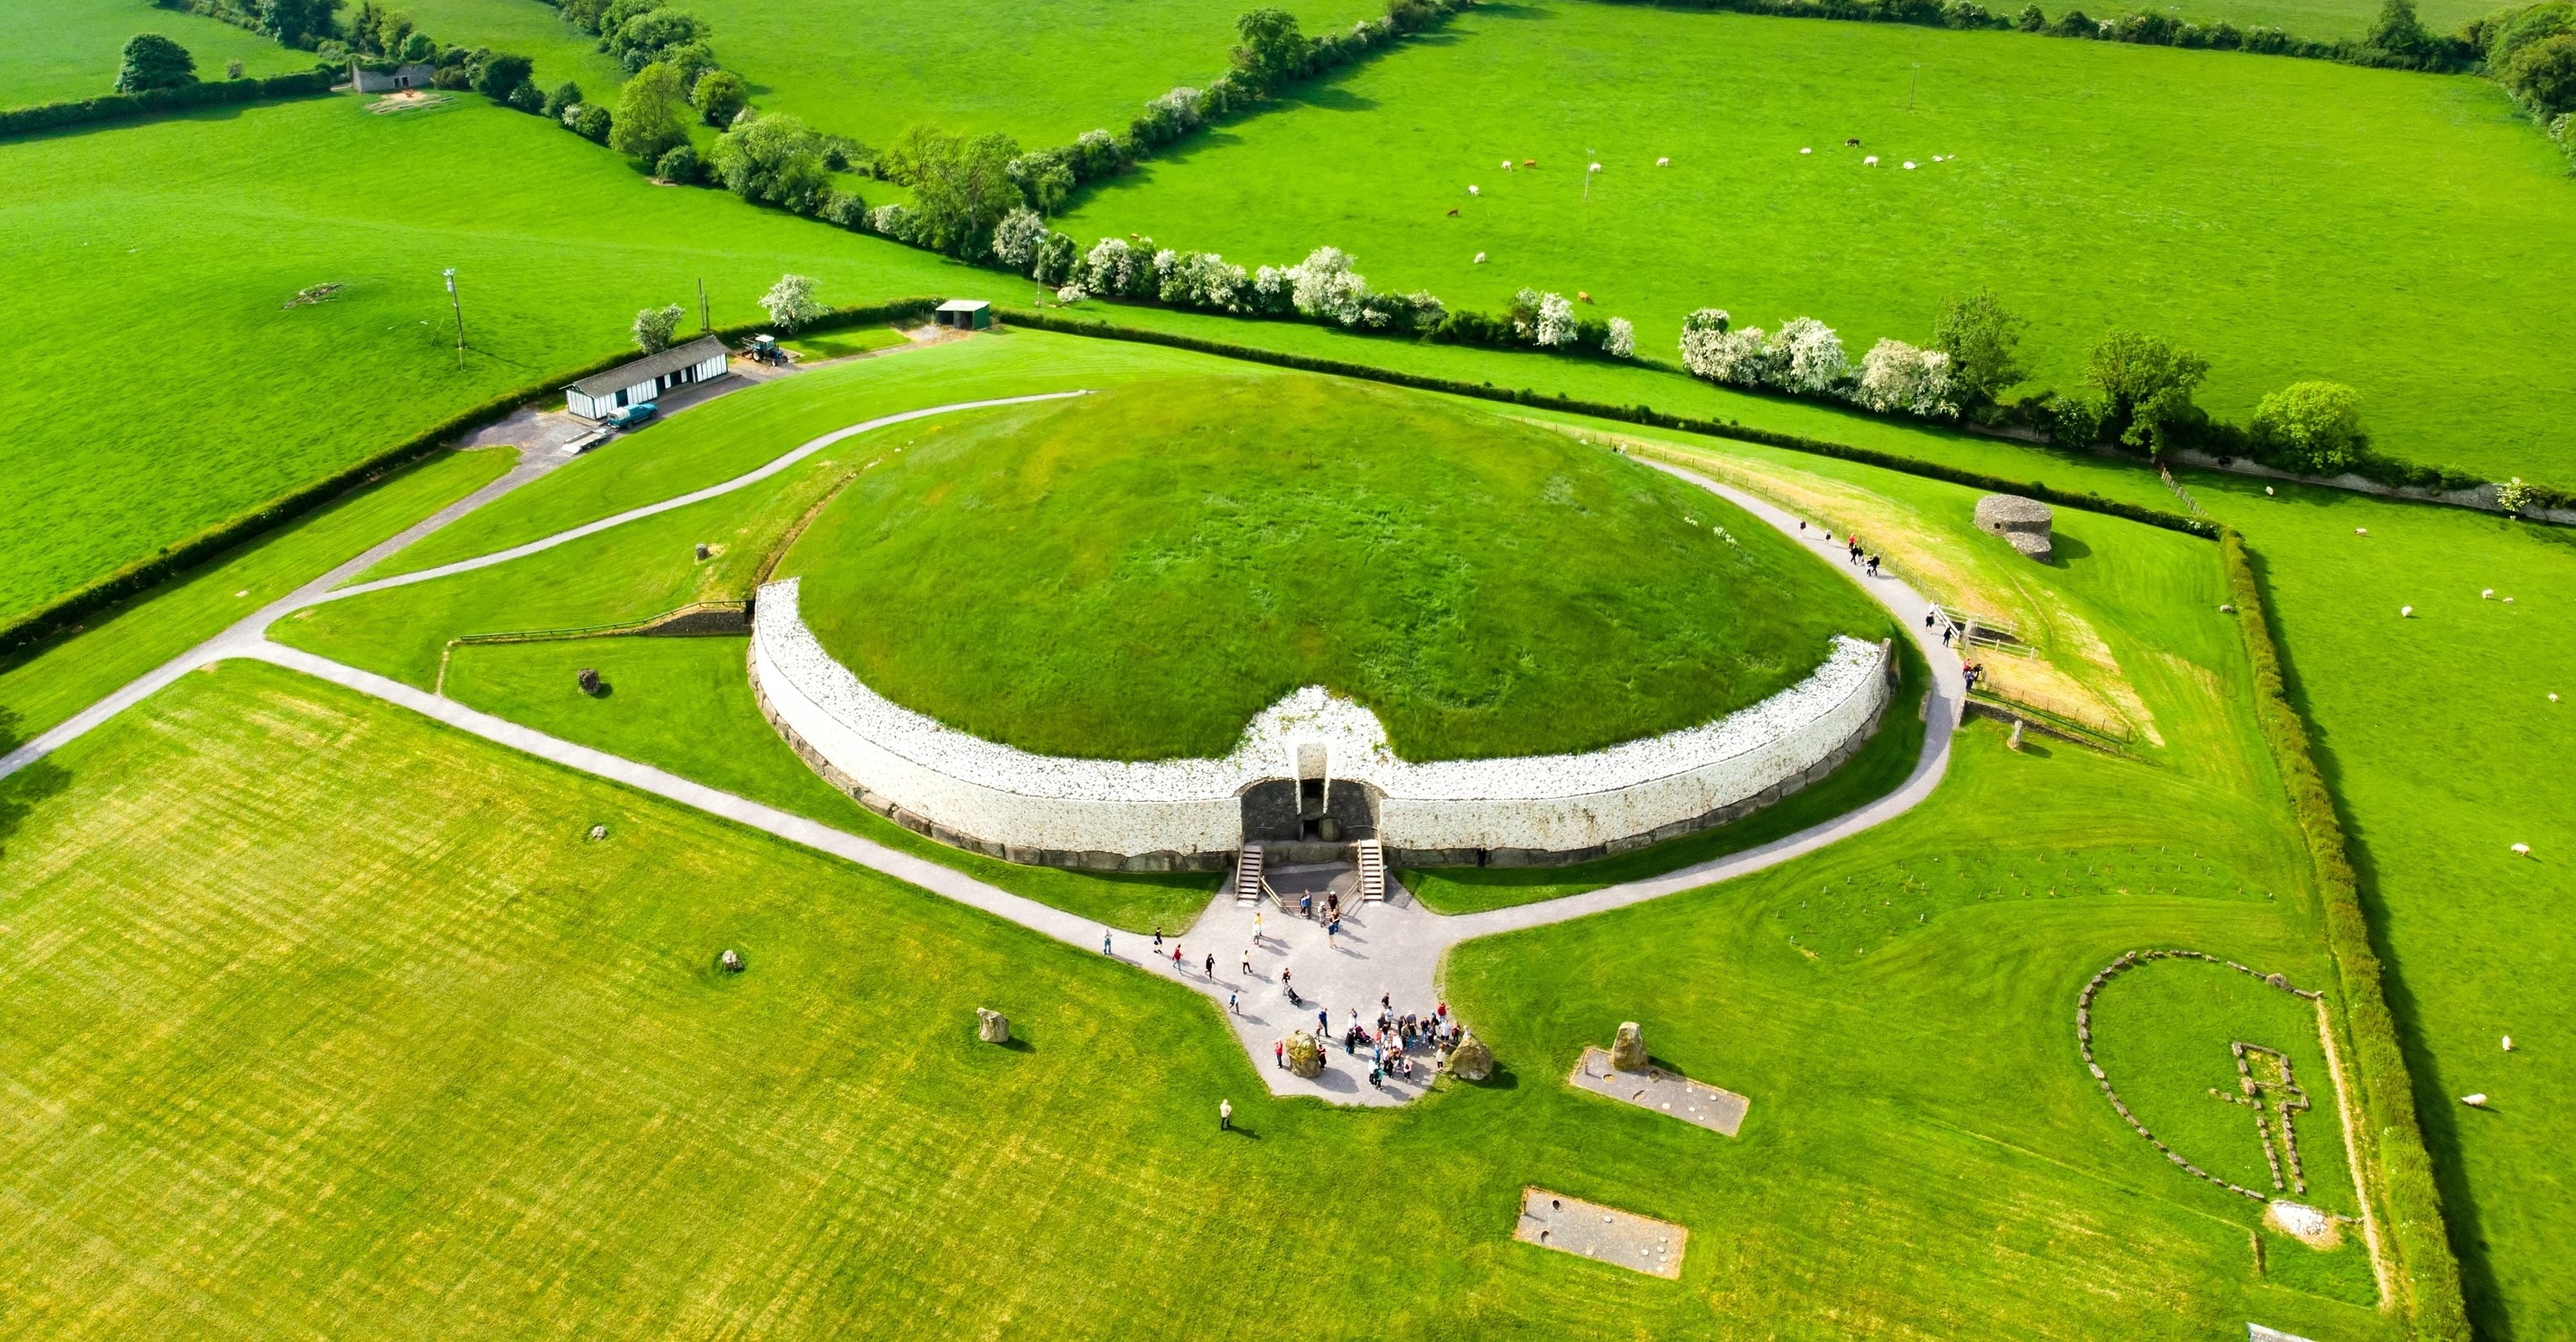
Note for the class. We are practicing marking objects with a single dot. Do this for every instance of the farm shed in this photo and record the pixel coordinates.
(968, 314)
(593, 397)
(415, 76)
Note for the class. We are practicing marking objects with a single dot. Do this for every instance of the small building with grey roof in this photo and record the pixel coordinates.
(701, 360)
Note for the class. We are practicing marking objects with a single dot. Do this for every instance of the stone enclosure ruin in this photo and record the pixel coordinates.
(2023, 524)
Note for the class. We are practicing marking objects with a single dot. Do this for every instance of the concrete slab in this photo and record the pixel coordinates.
(1602, 1234)
(1668, 1093)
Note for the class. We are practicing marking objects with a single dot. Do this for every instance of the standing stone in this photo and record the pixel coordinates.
(589, 681)
(2015, 742)
(1305, 1054)
(730, 961)
(702, 552)
(1628, 1051)
(992, 1026)
(1471, 1060)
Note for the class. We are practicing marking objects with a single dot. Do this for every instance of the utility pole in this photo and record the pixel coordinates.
(704, 325)
(459, 304)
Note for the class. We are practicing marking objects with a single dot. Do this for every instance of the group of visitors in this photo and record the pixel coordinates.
(1860, 555)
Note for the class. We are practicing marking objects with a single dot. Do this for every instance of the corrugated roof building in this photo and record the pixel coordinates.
(701, 360)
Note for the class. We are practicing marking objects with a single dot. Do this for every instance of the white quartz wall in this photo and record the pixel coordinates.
(1009, 797)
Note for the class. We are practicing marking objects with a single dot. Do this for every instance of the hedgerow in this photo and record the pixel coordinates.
(112, 106)
(2427, 1272)
(1632, 414)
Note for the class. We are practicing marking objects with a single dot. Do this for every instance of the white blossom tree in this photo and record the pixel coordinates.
(1113, 267)
(1740, 358)
(1898, 378)
(1814, 362)
(1622, 342)
(1201, 280)
(1555, 321)
(1016, 238)
(1324, 285)
(1705, 319)
(791, 302)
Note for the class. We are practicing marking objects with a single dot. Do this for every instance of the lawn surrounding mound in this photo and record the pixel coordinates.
(267, 925)
(2190, 194)
(1136, 574)
(553, 257)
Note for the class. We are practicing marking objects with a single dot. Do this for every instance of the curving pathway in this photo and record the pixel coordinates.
(1392, 951)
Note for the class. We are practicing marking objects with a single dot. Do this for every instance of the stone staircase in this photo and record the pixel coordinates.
(1247, 877)
(1372, 869)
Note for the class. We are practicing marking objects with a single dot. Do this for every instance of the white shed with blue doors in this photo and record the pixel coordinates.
(646, 379)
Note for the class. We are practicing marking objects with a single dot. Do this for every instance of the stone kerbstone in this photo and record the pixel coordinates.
(1628, 1052)
(1471, 1060)
(1305, 1054)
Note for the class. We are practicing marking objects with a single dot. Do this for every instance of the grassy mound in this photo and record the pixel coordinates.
(1135, 574)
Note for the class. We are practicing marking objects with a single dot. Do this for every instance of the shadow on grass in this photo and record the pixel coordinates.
(2438, 1119)
(23, 791)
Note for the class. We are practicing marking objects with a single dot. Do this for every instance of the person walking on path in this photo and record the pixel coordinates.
(1279, 1054)
(1256, 930)
(1225, 1115)
(1158, 938)
(1873, 566)
(1211, 966)
(1234, 1002)
(1177, 967)
(1247, 962)
(1104, 941)
(1323, 1020)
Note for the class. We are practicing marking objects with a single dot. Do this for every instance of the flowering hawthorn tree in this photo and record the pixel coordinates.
(1815, 363)
(1324, 285)
(1898, 378)
(1738, 358)
(791, 302)
(1555, 321)
(1016, 238)
(1622, 341)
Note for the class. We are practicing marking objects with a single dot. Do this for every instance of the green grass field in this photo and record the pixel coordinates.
(46, 684)
(1486, 589)
(69, 49)
(452, 979)
(2189, 194)
(554, 258)
(843, 344)
(1043, 74)
(685, 704)
(2441, 742)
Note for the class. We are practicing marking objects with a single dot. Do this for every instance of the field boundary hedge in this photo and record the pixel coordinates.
(2401, 1167)
(65, 612)
(1630, 414)
(117, 106)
